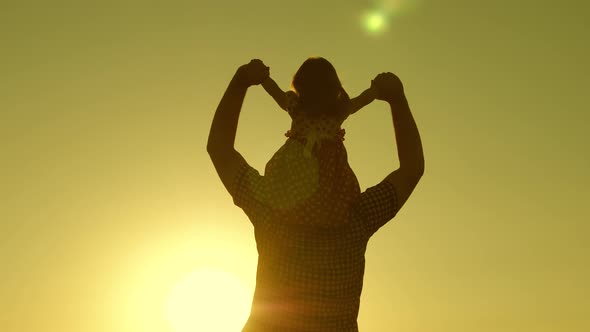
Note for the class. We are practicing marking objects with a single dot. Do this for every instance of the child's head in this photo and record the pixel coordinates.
(318, 87)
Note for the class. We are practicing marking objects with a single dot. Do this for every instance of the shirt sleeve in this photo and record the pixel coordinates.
(246, 191)
(377, 205)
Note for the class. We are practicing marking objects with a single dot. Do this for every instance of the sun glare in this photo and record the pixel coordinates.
(208, 300)
(374, 22)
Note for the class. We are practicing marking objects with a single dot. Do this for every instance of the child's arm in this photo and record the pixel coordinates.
(275, 92)
(362, 100)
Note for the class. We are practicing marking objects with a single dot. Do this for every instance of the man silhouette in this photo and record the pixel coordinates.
(309, 278)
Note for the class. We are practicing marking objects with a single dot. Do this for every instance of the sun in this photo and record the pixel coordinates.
(209, 300)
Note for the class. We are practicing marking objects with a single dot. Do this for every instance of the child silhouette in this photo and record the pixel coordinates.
(308, 179)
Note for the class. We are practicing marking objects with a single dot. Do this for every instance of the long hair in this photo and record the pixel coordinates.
(319, 88)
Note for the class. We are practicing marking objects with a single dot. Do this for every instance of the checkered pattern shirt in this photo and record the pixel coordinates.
(309, 277)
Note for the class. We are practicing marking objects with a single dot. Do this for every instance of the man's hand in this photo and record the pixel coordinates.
(388, 86)
(252, 73)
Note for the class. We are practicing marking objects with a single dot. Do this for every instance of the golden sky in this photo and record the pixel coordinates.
(109, 200)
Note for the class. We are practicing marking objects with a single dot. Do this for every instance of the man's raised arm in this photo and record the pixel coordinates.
(407, 137)
(222, 135)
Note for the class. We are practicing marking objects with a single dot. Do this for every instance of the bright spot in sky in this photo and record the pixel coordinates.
(208, 300)
(375, 22)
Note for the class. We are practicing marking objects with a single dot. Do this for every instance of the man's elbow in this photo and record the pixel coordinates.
(420, 169)
(417, 175)
(210, 149)
(413, 172)
(215, 153)
(220, 154)
(214, 148)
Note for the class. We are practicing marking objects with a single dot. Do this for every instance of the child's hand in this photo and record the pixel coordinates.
(372, 90)
(252, 73)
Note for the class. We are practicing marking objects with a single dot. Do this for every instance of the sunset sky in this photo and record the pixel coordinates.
(112, 215)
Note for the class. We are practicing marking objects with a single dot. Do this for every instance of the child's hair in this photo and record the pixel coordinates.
(318, 87)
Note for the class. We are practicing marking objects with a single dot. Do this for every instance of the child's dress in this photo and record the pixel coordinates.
(308, 180)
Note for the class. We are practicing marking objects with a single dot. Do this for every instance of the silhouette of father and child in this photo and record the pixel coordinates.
(311, 221)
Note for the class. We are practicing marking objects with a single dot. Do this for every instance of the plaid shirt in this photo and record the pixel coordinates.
(309, 277)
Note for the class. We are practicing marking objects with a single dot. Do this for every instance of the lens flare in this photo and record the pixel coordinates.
(376, 20)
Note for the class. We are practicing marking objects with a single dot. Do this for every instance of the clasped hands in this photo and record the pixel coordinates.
(387, 86)
(252, 73)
